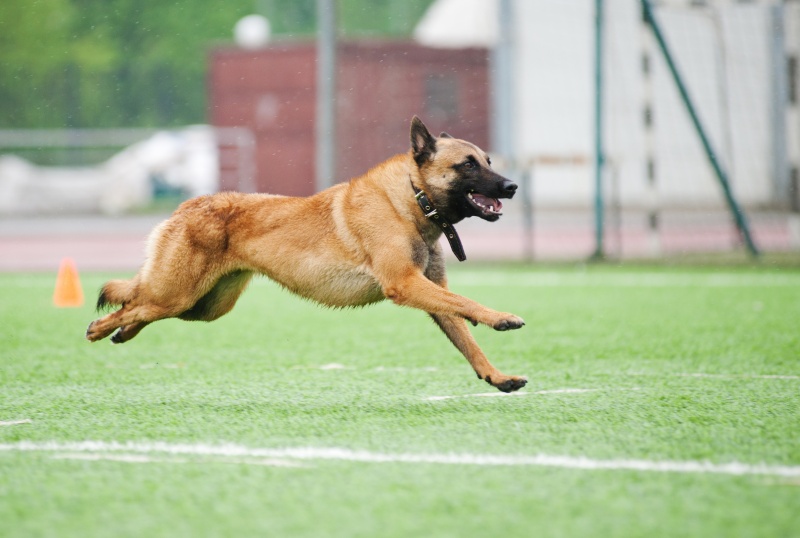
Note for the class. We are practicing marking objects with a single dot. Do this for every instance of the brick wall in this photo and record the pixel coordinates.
(380, 86)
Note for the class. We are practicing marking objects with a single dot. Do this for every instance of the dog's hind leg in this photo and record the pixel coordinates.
(187, 274)
(201, 300)
(129, 315)
(131, 319)
(127, 332)
(220, 299)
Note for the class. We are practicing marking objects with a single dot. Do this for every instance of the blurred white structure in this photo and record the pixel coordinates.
(185, 159)
(252, 32)
(728, 53)
(459, 23)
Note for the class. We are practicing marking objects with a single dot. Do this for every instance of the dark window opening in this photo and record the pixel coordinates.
(441, 97)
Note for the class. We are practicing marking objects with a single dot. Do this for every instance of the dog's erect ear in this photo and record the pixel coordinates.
(423, 144)
(444, 135)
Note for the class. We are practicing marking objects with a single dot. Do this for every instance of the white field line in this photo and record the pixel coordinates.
(498, 394)
(623, 279)
(127, 458)
(330, 366)
(143, 458)
(740, 376)
(337, 366)
(717, 376)
(405, 369)
(239, 452)
(15, 422)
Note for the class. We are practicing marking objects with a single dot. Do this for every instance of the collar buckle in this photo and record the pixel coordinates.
(449, 231)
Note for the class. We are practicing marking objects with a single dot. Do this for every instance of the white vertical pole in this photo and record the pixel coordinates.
(502, 124)
(326, 94)
(599, 155)
(502, 84)
(780, 106)
(648, 121)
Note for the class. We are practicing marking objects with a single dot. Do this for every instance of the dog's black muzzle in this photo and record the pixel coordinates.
(507, 188)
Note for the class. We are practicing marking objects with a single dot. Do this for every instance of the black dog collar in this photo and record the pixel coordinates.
(449, 232)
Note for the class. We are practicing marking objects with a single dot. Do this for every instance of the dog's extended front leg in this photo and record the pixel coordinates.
(457, 331)
(415, 290)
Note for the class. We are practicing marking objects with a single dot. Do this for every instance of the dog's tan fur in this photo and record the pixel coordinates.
(353, 244)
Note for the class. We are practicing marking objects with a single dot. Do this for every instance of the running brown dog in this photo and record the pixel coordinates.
(353, 244)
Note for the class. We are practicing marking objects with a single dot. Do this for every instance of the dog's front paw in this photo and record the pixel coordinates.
(508, 383)
(509, 322)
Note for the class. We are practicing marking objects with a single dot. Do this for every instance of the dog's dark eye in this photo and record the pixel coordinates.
(469, 164)
(488, 161)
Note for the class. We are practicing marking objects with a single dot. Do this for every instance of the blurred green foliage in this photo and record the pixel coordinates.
(131, 63)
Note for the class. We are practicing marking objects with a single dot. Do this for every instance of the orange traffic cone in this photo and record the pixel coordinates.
(68, 291)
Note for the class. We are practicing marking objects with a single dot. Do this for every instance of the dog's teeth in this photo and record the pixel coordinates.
(490, 208)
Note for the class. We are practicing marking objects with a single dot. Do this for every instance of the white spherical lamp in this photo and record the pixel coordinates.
(252, 32)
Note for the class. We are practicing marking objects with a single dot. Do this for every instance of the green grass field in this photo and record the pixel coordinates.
(286, 419)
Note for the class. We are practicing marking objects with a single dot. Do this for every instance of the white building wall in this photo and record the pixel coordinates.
(723, 54)
(555, 95)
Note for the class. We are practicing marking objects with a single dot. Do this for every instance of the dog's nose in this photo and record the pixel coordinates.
(509, 187)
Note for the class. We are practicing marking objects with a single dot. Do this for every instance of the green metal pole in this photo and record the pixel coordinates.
(599, 252)
(722, 176)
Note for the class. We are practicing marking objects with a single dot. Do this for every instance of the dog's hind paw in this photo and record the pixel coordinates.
(90, 333)
(94, 332)
(117, 337)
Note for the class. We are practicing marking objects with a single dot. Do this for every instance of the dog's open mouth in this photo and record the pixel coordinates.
(484, 204)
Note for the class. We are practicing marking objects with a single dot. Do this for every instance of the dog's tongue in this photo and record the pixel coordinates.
(485, 201)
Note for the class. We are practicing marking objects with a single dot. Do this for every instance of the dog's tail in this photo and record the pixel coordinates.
(116, 292)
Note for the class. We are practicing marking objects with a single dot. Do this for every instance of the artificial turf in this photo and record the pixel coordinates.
(687, 364)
